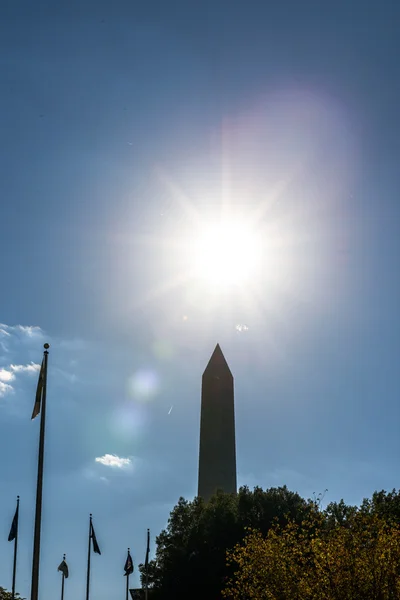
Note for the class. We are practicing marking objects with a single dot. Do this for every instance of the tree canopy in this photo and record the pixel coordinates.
(358, 560)
(209, 547)
(191, 552)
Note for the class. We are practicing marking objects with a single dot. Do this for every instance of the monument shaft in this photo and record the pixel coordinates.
(217, 456)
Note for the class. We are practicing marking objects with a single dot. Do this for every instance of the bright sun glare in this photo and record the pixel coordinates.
(227, 254)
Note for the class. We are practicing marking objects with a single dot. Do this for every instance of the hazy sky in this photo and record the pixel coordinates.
(127, 129)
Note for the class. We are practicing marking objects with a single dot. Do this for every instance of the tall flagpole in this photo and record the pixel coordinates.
(88, 559)
(62, 582)
(15, 554)
(146, 593)
(127, 581)
(39, 487)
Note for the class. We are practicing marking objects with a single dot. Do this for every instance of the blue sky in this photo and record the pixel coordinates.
(127, 129)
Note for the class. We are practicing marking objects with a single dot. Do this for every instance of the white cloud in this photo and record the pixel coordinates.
(112, 460)
(31, 368)
(29, 330)
(5, 388)
(6, 375)
(13, 336)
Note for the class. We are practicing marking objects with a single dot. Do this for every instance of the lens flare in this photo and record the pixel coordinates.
(144, 385)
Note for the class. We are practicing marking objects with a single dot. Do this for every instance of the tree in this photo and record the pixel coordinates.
(383, 504)
(190, 558)
(4, 595)
(258, 508)
(354, 560)
(339, 513)
(311, 550)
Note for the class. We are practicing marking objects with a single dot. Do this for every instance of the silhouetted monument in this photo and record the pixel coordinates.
(217, 456)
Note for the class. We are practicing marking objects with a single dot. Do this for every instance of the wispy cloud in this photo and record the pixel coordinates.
(72, 360)
(12, 336)
(8, 374)
(114, 461)
(5, 388)
(16, 342)
(31, 368)
(28, 330)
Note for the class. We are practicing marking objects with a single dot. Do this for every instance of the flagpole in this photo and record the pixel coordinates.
(146, 592)
(62, 582)
(88, 559)
(127, 581)
(15, 555)
(39, 486)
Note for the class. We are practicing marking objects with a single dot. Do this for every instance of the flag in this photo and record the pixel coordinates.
(14, 526)
(128, 568)
(96, 548)
(63, 567)
(146, 562)
(39, 392)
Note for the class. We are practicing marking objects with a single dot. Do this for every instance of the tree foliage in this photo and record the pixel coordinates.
(278, 544)
(4, 595)
(190, 559)
(354, 560)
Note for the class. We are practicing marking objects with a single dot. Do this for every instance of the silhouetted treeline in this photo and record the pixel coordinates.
(191, 556)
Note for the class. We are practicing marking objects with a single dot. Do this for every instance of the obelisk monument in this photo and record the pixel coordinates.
(217, 456)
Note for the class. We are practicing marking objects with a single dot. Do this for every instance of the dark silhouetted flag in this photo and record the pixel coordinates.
(39, 392)
(63, 567)
(96, 548)
(14, 526)
(128, 568)
(146, 562)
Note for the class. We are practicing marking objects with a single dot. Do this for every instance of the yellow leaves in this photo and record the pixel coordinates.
(356, 561)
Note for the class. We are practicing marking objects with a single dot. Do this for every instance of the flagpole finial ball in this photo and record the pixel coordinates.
(46, 346)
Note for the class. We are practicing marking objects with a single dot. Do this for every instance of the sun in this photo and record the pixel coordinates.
(226, 254)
